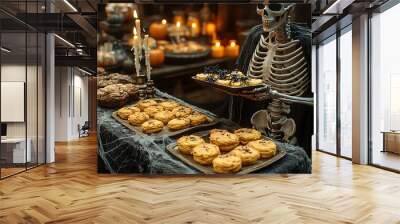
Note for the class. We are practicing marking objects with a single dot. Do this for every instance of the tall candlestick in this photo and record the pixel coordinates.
(178, 26)
(147, 56)
(138, 29)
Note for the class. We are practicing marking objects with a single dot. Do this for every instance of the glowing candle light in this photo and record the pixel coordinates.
(217, 51)
(232, 50)
(178, 26)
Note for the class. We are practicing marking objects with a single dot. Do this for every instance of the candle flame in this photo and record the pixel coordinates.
(164, 21)
(194, 25)
(217, 43)
(233, 43)
(135, 14)
(178, 24)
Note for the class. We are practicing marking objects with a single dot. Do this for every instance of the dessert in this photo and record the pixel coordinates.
(164, 116)
(248, 155)
(197, 118)
(202, 76)
(130, 89)
(134, 109)
(267, 148)
(227, 163)
(205, 153)
(151, 110)
(182, 111)
(169, 104)
(223, 82)
(138, 118)
(178, 123)
(225, 140)
(146, 103)
(253, 82)
(187, 143)
(124, 113)
(247, 134)
(112, 96)
(152, 126)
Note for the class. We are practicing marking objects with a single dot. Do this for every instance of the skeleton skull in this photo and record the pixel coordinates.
(273, 16)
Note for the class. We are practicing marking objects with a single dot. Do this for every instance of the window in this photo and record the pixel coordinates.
(346, 92)
(385, 87)
(327, 96)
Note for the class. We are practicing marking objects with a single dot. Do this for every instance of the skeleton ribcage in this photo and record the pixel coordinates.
(282, 66)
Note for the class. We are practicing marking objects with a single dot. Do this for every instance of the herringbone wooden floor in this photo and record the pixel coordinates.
(70, 191)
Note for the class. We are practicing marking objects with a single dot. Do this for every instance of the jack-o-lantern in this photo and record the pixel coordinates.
(158, 30)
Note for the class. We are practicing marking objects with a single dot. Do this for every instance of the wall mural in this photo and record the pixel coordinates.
(204, 88)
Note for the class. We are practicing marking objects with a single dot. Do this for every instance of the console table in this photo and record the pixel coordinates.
(391, 141)
(13, 150)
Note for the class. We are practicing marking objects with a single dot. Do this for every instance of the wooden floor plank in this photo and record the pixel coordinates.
(70, 191)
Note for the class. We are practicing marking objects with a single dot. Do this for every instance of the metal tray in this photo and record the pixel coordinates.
(213, 121)
(188, 160)
(229, 89)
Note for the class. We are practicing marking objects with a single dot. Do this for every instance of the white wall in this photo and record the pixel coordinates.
(71, 103)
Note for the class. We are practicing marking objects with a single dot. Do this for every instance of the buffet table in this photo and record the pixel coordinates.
(123, 151)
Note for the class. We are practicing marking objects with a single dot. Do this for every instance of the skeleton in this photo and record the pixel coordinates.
(279, 60)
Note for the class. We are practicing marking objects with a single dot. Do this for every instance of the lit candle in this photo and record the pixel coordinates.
(137, 25)
(217, 51)
(147, 55)
(232, 50)
(178, 27)
(194, 29)
(164, 22)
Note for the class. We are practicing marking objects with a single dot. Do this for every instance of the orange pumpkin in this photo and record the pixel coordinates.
(156, 57)
(158, 31)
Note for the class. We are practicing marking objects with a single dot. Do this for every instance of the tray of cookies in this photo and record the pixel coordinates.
(219, 151)
(234, 81)
(163, 117)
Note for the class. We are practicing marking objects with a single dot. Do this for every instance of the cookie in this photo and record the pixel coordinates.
(178, 123)
(164, 116)
(124, 113)
(225, 140)
(267, 148)
(152, 126)
(205, 153)
(182, 111)
(187, 143)
(253, 82)
(197, 119)
(134, 109)
(169, 104)
(112, 96)
(138, 118)
(227, 163)
(152, 110)
(202, 76)
(248, 155)
(247, 134)
(223, 82)
(146, 103)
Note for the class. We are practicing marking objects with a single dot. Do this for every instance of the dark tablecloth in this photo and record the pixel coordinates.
(125, 151)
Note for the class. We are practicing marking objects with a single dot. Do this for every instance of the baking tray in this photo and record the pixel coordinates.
(188, 160)
(213, 121)
(230, 89)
